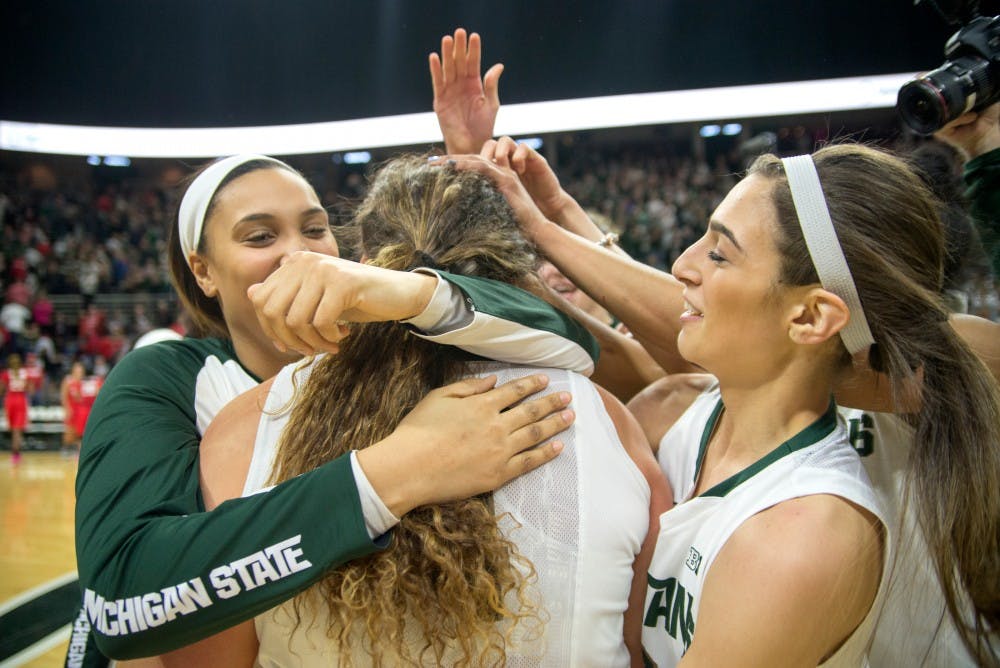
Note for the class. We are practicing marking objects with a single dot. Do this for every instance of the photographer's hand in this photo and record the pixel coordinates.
(974, 133)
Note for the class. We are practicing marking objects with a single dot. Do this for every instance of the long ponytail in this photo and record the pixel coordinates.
(888, 226)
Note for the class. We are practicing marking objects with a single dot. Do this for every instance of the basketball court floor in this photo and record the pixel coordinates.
(38, 582)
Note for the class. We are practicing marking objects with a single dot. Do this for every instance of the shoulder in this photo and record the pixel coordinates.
(177, 357)
(227, 446)
(172, 364)
(982, 335)
(160, 376)
(763, 587)
(629, 431)
(807, 536)
(662, 402)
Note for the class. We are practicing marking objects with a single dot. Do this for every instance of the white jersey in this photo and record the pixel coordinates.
(580, 520)
(818, 460)
(914, 628)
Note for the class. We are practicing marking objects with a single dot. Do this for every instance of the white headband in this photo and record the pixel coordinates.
(191, 215)
(824, 247)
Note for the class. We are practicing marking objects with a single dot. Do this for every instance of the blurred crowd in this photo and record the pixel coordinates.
(66, 250)
(62, 251)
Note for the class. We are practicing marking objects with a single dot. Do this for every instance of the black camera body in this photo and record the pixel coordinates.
(969, 79)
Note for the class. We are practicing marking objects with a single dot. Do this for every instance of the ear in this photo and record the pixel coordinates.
(817, 316)
(202, 275)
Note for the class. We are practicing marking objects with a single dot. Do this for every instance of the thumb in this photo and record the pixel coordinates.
(252, 289)
(491, 84)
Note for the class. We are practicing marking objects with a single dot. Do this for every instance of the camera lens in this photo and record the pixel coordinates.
(922, 107)
(928, 103)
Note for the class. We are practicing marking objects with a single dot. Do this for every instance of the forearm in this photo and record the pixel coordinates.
(168, 579)
(646, 300)
(499, 321)
(573, 218)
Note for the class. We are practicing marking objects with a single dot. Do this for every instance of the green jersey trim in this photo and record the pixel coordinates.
(815, 432)
(510, 303)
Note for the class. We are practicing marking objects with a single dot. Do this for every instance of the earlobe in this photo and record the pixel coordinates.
(202, 275)
(817, 317)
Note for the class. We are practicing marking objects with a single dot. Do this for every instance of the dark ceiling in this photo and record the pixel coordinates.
(248, 62)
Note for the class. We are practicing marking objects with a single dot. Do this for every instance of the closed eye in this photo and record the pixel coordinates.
(259, 237)
(317, 231)
(714, 256)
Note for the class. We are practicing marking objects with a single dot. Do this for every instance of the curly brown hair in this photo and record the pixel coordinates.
(450, 579)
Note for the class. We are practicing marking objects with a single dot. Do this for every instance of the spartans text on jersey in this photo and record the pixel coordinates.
(671, 601)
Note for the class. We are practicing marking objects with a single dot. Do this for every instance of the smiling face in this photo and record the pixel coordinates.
(256, 220)
(735, 324)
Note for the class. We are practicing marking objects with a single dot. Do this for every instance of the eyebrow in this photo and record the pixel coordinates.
(716, 226)
(254, 217)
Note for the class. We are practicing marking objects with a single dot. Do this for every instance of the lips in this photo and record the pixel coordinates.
(690, 311)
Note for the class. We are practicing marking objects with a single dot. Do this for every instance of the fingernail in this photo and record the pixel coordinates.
(451, 163)
(567, 416)
(557, 446)
(564, 397)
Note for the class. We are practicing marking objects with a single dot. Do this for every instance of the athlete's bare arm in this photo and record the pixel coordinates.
(661, 500)
(789, 586)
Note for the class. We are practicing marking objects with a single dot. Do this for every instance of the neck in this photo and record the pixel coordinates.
(763, 415)
(261, 358)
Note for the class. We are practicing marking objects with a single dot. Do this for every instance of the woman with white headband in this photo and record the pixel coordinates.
(778, 552)
(158, 572)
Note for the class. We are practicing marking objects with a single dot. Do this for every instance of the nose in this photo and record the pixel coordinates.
(685, 268)
(294, 243)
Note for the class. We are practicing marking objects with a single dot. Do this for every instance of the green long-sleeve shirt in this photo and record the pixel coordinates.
(157, 571)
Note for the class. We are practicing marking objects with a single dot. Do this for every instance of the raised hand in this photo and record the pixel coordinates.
(533, 170)
(464, 439)
(529, 216)
(466, 106)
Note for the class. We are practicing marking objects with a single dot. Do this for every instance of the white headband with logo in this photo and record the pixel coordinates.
(824, 247)
(194, 206)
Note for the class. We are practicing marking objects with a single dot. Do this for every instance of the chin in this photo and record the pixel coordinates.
(686, 347)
